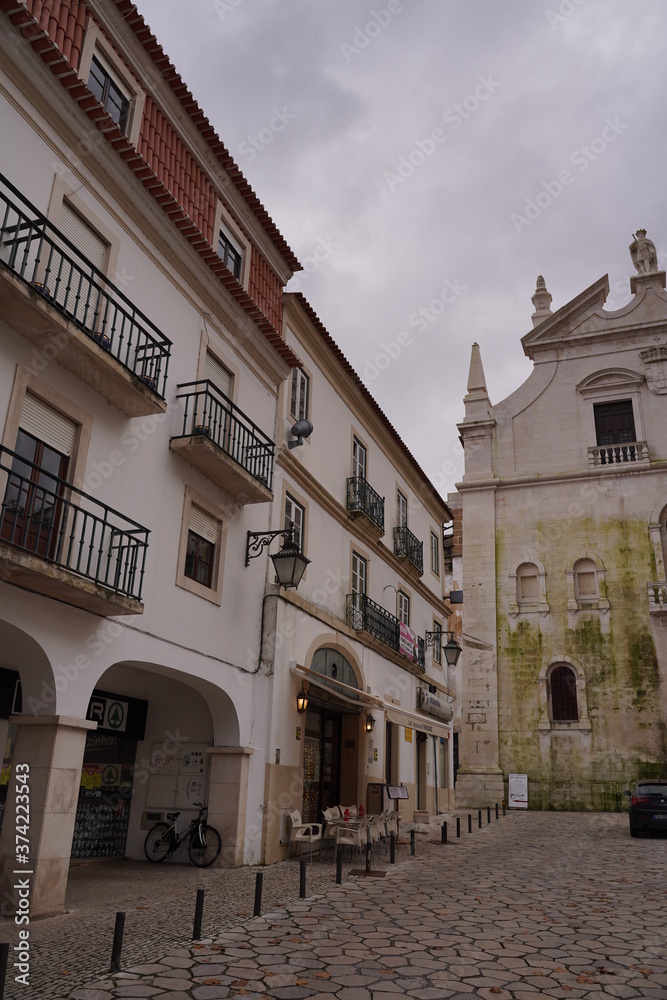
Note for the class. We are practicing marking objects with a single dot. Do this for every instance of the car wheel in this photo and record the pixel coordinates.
(634, 831)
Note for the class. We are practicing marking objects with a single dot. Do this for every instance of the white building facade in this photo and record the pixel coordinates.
(564, 544)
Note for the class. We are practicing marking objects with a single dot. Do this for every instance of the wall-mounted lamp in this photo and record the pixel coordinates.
(301, 429)
(369, 724)
(289, 562)
(302, 701)
(451, 648)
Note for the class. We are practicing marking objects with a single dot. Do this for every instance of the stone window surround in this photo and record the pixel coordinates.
(546, 724)
(95, 43)
(223, 220)
(601, 604)
(609, 385)
(540, 606)
(214, 592)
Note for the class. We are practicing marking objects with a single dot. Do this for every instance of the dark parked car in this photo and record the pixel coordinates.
(648, 806)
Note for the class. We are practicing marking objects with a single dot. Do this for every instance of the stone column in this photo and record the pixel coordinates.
(227, 800)
(52, 748)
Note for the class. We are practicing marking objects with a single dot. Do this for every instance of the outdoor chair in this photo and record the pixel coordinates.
(354, 835)
(303, 833)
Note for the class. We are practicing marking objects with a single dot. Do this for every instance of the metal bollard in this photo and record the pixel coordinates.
(496, 810)
(488, 814)
(469, 822)
(458, 826)
(4, 958)
(259, 879)
(412, 843)
(302, 880)
(479, 818)
(339, 868)
(444, 832)
(199, 914)
(503, 808)
(369, 848)
(392, 848)
(117, 946)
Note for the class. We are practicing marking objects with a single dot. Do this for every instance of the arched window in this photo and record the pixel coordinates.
(562, 694)
(586, 587)
(331, 663)
(527, 584)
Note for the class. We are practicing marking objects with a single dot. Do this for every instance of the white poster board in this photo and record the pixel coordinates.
(518, 791)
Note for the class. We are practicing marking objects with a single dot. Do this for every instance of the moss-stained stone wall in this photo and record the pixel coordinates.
(586, 766)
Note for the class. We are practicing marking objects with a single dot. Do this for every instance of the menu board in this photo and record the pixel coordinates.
(100, 829)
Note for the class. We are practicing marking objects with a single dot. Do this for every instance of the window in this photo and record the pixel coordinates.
(300, 394)
(401, 510)
(403, 607)
(359, 578)
(358, 459)
(216, 373)
(295, 513)
(437, 644)
(230, 251)
(614, 422)
(527, 584)
(585, 581)
(562, 694)
(201, 549)
(107, 91)
(435, 554)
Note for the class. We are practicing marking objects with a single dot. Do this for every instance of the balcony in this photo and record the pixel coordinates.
(629, 454)
(363, 614)
(362, 499)
(407, 546)
(219, 440)
(657, 598)
(55, 298)
(57, 541)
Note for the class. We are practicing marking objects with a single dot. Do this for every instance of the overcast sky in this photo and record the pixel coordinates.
(427, 159)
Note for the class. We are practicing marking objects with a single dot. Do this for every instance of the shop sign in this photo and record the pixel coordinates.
(117, 714)
(408, 734)
(434, 706)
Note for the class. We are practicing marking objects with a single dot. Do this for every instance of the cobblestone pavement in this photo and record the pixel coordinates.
(552, 904)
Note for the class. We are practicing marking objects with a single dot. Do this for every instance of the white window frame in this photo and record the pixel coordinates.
(401, 510)
(435, 554)
(403, 607)
(95, 44)
(301, 410)
(359, 573)
(296, 513)
(224, 223)
(359, 458)
(214, 592)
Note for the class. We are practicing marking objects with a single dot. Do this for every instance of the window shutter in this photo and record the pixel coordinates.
(47, 425)
(204, 524)
(218, 375)
(82, 236)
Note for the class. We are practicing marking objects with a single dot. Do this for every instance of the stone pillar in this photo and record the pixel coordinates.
(227, 800)
(52, 747)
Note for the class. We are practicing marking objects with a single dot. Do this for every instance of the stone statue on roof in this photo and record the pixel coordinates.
(643, 253)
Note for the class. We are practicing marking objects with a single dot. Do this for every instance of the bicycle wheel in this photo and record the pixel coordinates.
(158, 842)
(204, 848)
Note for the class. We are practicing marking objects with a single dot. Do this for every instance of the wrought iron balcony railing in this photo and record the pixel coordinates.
(407, 546)
(210, 413)
(48, 517)
(363, 613)
(618, 454)
(361, 497)
(41, 255)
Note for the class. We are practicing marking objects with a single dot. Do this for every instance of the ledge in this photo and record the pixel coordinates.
(201, 452)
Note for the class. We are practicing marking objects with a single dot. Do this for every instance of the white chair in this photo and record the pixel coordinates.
(354, 834)
(376, 832)
(331, 819)
(303, 833)
(391, 826)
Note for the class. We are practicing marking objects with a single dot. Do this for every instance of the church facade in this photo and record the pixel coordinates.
(564, 551)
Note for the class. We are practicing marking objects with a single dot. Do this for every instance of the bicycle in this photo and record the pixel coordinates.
(204, 842)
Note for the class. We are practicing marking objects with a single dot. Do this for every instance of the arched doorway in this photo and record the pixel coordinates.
(332, 731)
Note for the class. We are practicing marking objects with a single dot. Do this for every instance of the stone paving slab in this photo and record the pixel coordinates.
(535, 905)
